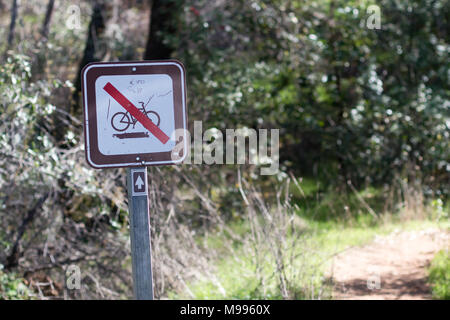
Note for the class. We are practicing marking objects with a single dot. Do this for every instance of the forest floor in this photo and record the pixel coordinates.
(390, 267)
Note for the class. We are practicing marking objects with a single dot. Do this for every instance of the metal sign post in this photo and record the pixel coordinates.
(141, 248)
(132, 113)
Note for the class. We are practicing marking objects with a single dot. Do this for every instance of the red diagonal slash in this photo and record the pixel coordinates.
(142, 118)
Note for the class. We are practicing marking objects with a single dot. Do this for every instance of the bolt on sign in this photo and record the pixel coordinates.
(133, 111)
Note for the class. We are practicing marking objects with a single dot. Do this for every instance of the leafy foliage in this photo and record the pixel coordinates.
(12, 287)
(345, 96)
(359, 108)
(439, 275)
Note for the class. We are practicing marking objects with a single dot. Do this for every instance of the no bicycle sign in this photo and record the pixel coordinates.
(135, 116)
(133, 111)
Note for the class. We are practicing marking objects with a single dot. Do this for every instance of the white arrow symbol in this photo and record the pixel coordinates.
(139, 183)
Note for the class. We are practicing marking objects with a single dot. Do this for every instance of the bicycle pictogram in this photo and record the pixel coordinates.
(121, 121)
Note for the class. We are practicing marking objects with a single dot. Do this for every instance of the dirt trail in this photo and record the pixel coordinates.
(391, 267)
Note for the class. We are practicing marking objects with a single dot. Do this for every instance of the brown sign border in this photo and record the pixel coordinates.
(92, 71)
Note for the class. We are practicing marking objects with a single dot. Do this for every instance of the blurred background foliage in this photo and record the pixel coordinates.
(357, 108)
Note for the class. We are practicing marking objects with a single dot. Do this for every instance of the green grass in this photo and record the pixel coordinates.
(235, 274)
(329, 222)
(339, 207)
(439, 275)
(12, 287)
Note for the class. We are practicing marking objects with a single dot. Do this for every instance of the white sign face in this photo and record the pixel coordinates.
(152, 93)
(132, 110)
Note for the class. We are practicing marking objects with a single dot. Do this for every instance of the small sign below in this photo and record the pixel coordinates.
(139, 181)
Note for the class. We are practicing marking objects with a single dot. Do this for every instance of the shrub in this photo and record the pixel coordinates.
(439, 275)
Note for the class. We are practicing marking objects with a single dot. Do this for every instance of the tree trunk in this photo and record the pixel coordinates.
(48, 16)
(12, 26)
(40, 59)
(95, 30)
(12, 260)
(164, 18)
